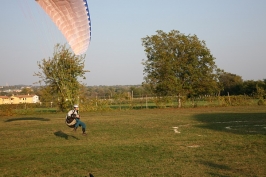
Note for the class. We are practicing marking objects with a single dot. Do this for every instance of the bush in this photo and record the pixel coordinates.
(261, 102)
(239, 100)
(6, 110)
(161, 102)
(95, 105)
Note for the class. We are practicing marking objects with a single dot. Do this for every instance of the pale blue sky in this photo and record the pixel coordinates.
(234, 31)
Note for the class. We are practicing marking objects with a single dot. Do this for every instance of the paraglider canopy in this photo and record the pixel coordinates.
(72, 18)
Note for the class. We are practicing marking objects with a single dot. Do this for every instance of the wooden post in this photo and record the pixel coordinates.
(146, 103)
(179, 101)
(229, 98)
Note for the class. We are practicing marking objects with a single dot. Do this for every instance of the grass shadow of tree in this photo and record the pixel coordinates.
(237, 123)
(216, 167)
(217, 175)
(64, 135)
(27, 118)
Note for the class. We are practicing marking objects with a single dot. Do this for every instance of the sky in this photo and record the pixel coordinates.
(234, 31)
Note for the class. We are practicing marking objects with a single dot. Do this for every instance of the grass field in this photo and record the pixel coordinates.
(220, 141)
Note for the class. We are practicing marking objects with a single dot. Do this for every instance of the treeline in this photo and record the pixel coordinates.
(234, 85)
(234, 92)
(231, 84)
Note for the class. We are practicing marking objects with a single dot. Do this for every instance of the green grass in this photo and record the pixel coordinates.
(224, 141)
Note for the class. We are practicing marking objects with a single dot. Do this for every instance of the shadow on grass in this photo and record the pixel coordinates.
(27, 118)
(64, 135)
(238, 123)
(218, 175)
(216, 167)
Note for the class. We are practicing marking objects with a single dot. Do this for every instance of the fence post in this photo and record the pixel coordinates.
(229, 98)
(146, 103)
(179, 101)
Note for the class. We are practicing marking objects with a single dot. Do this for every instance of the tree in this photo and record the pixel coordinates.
(26, 90)
(61, 74)
(254, 88)
(46, 97)
(178, 65)
(231, 83)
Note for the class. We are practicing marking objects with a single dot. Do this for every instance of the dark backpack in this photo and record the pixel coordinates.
(72, 117)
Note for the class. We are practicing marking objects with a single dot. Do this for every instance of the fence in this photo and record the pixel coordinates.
(123, 103)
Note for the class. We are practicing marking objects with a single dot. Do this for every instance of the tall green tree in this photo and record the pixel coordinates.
(178, 64)
(62, 73)
(230, 83)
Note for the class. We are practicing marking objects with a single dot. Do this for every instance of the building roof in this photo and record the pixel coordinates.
(24, 96)
(4, 97)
